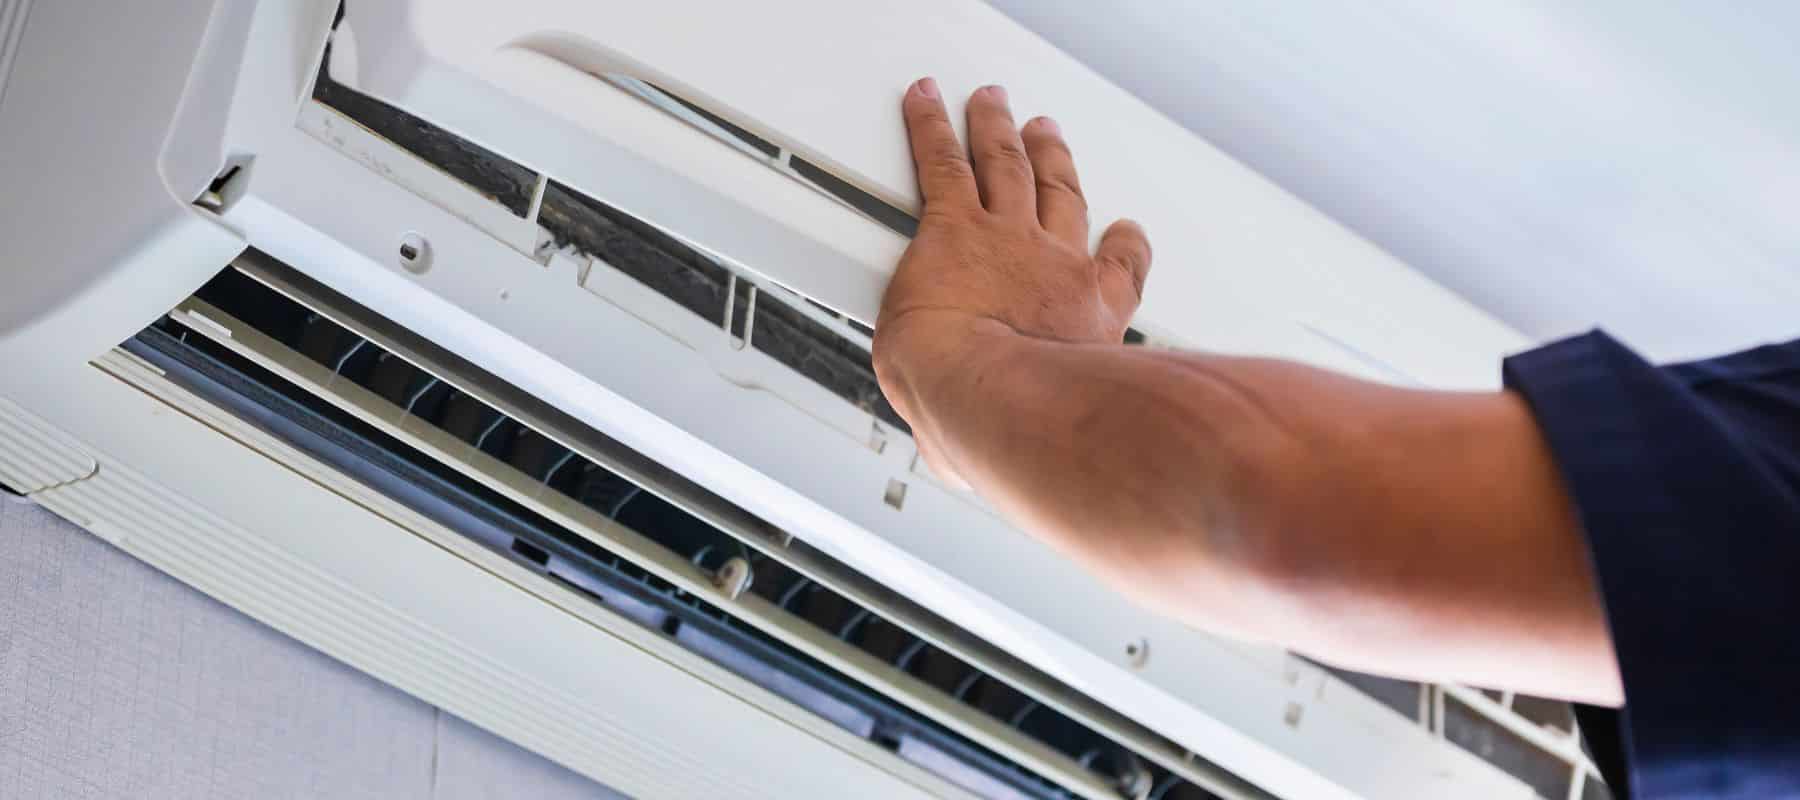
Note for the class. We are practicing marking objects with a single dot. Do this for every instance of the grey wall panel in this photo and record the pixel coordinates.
(117, 681)
(476, 765)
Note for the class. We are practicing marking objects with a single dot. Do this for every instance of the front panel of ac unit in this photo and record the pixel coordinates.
(1241, 265)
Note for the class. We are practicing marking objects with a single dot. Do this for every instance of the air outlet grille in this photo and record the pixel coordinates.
(651, 598)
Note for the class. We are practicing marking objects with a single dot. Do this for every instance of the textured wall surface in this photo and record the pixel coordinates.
(117, 681)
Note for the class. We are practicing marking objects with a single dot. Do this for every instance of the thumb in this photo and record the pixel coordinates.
(1124, 259)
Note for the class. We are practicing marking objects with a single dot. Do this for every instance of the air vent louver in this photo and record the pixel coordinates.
(619, 584)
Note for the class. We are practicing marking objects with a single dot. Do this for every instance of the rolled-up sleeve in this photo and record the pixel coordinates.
(1685, 480)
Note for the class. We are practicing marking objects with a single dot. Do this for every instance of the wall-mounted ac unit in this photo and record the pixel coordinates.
(518, 356)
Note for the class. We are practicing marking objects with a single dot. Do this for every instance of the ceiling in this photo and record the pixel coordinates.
(1630, 165)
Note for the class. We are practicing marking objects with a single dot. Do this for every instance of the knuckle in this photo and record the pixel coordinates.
(1112, 261)
(1062, 185)
(1128, 262)
(937, 216)
(1013, 171)
(1125, 255)
(1008, 150)
(949, 165)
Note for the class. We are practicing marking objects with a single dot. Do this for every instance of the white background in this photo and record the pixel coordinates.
(1633, 165)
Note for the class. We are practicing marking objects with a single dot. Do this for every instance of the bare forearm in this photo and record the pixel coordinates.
(1414, 532)
(1118, 456)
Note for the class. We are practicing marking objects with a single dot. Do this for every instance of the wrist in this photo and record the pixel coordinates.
(919, 353)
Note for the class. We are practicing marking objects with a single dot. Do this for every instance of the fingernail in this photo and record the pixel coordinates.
(1049, 126)
(927, 87)
(996, 91)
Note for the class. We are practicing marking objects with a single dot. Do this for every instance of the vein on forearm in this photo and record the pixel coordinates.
(1137, 462)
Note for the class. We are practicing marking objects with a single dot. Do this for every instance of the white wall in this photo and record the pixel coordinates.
(1634, 165)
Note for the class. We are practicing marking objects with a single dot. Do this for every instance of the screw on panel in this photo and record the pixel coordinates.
(1132, 779)
(1135, 782)
(1292, 715)
(415, 253)
(733, 577)
(1138, 653)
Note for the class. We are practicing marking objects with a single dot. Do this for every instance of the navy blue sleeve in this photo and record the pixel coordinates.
(1685, 479)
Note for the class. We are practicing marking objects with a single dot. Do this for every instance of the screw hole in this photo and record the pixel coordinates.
(1137, 653)
(415, 253)
(896, 494)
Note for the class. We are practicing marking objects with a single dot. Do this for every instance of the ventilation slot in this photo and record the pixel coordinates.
(742, 136)
(1548, 775)
(777, 157)
(1484, 730)
(896, 220)
(813, 175)
(821, 351)
(638, 588)
(779, 328)
(483, 170)
(1405, 697)
(570, 219)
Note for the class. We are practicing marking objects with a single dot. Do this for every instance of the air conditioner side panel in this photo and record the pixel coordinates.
(35, 456)
(86, 212)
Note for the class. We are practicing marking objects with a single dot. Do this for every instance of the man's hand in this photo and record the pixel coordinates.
(1002, 250)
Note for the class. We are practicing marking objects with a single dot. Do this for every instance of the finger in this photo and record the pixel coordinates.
(1061, 207)
(1124, 259)
(945, 179)
(1002, 170)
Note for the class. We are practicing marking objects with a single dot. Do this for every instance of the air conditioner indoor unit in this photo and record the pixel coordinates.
(517, 355)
